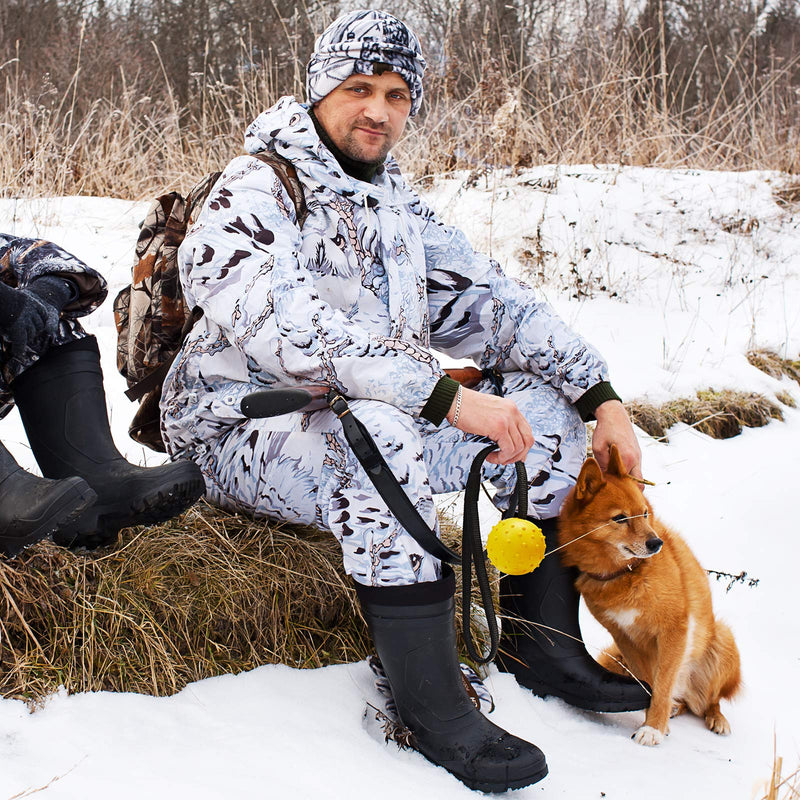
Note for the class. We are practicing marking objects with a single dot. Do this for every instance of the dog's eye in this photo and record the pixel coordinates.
(620, 518)
(646, 513)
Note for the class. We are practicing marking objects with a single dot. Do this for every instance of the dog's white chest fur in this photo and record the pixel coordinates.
(625, 618)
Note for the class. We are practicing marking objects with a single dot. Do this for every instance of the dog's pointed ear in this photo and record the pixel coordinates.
(615, 465)
(590, 481)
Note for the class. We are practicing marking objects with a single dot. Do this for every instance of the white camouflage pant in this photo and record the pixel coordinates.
(299, 468)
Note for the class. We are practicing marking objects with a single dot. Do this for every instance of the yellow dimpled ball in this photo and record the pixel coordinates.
(515, 546)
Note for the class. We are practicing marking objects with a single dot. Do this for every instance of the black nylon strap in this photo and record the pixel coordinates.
(472, 553)
(384, 481)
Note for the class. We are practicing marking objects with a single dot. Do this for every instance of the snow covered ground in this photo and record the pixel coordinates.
(674, 276)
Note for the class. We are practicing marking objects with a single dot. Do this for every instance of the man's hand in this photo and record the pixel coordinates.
(614, 427)
(25, 320)
(497, 418)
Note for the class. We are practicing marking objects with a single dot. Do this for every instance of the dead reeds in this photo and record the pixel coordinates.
(604, 107)
(205, 594)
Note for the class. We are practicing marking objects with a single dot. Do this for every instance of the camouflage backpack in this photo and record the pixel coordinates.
(151, 314)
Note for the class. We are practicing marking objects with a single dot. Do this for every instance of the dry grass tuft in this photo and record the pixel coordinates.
(788, 195)
(774, 365)
(201, 595)
(719, 414)
(780, 788)
(205, 594)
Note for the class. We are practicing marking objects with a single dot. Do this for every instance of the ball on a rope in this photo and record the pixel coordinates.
(515, 546)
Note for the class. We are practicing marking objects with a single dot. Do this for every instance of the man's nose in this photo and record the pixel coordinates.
(377, 109)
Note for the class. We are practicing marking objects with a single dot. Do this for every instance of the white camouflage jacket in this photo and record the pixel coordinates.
(357, 298)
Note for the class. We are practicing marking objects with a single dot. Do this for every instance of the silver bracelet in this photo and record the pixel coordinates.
(458, 408)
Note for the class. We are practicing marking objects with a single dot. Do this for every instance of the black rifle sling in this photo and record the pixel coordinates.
(386, 484)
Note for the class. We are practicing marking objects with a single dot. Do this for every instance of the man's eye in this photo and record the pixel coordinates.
(620, 518)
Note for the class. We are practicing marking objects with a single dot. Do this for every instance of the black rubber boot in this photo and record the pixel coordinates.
(414, 633)
(63, 407)
(541, 641)
(31, 508)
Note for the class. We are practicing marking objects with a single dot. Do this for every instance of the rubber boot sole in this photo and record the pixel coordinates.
(498, 787)
(99, 526)
(64, 510)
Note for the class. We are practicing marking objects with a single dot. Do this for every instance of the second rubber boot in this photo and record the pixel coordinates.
(413, 630)
(541, 640)
(32, 508)
(63, 407)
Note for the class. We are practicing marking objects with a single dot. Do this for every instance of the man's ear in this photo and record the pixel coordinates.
(615, 465)
(590, 481)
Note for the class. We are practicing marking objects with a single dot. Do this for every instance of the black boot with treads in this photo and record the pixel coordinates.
(63, 407)
(413, 630)
(541, 641)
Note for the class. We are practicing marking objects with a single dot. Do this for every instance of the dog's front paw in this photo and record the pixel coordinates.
(648, 736)
(717, 723)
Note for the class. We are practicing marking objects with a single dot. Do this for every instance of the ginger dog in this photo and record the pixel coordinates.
(641, 581)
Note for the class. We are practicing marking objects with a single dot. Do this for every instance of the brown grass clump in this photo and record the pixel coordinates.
(719, 414)
(774, 365)
(205, 594)
(201, 595)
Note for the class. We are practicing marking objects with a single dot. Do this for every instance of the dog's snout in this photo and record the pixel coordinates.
(653, 545)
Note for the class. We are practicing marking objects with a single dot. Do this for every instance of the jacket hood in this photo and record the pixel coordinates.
(287, 129)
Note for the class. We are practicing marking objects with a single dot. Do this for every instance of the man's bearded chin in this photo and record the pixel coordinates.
(355, 150)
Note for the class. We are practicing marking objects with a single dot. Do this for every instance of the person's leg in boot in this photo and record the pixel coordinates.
(413, 630)
(62, 404)
(32, 508)
(302, 470)
(535, 607)
(541, 642)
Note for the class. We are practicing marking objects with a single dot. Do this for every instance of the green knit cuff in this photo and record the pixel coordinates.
(442, 396)
(593, 397)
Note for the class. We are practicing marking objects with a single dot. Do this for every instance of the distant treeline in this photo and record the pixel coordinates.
(705, 49)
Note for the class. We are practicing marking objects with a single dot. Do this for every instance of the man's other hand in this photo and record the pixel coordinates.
(614, 427)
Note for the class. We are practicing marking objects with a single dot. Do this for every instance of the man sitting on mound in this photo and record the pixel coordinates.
(360, 295)
(50, 368)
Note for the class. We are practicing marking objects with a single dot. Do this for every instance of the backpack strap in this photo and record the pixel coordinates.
(287, 174)
(155, 379)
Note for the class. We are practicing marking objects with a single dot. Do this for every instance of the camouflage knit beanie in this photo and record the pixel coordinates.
(356, 42)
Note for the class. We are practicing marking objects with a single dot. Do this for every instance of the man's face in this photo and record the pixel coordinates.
(366, 114)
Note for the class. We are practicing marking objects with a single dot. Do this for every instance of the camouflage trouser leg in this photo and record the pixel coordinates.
(299, 468)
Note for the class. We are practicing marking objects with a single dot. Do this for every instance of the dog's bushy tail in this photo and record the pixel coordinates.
(726, 654)
(717, 675)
